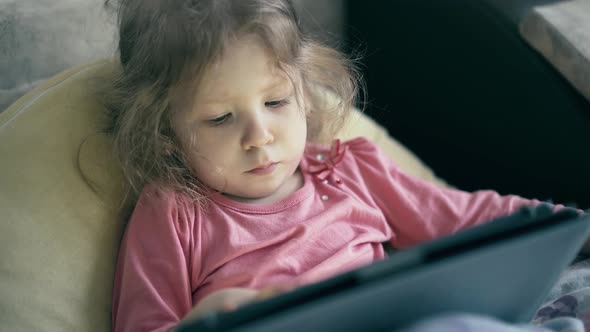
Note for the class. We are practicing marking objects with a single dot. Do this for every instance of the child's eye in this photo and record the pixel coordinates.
(219, 120)
(277, 103)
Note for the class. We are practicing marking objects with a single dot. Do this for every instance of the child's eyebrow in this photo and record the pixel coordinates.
(274, 84)
(279, 82)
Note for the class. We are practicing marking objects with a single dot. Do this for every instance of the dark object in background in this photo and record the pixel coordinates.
(454, 81)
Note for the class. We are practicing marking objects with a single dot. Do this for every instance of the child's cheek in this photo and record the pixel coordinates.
(209, 173)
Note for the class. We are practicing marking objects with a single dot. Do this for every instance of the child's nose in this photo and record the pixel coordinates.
(257, 132)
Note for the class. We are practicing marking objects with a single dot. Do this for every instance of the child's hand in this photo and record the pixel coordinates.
(227, 299)
(230, 299)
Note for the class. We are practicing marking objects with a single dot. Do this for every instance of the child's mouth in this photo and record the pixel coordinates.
(263, 170)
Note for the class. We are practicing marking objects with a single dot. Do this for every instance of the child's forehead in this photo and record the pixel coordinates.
(244, 67)
(245, 52)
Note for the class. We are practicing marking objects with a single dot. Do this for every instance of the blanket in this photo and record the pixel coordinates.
(570, 297)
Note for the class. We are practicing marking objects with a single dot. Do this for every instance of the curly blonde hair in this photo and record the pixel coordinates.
(166, 45)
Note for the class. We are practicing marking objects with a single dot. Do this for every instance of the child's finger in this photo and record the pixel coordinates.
(269, 292)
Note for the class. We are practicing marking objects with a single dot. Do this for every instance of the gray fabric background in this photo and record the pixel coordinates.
(39, 38)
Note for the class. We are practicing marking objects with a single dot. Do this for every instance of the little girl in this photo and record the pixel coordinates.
(215, 113)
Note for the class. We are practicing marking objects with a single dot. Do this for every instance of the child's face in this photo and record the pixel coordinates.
(248, 131)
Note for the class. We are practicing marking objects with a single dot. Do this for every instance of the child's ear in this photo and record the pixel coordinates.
(307, 111)
(306, 101)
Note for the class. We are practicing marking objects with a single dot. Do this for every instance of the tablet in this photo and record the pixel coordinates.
(503, 268)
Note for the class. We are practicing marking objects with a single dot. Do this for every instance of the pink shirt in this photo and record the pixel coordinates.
(354, 198)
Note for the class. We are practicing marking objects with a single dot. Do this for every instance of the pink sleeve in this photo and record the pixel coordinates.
(152, 290)
(418, 210)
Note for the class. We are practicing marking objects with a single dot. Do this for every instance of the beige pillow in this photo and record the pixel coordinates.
(59, 237)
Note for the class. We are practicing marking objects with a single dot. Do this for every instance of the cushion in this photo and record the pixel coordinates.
(59, 238)
(60, 230)
(561, 33)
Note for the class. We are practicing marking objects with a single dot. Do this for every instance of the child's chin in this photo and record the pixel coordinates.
(262, 194)
(262, 190)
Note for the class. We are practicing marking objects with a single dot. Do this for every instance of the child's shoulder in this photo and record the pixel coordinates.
(160, 195)
(163, 204)
(359, 142)
(358, 145)
(156, 191)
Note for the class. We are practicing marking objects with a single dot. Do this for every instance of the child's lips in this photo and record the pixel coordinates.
(264, 169)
